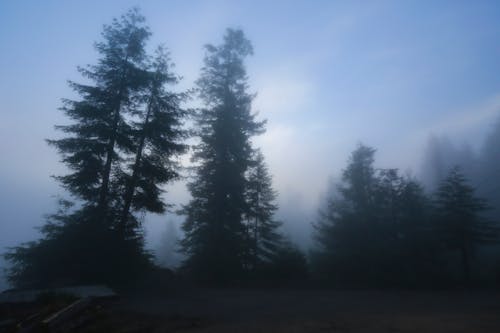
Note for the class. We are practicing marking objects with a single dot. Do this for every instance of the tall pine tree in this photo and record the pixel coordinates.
(120, 147)
(99, 130)
(157, 135)
(215, 233)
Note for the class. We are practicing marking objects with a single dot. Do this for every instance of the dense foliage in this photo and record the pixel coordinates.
(228, 225)
(120, 148)
(381, 228)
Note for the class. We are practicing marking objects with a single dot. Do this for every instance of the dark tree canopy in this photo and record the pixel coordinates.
(157, 134)
(215, 233)
(120, 148)
(99, 131)
(374, 229)
(458, 218)
(489, 169)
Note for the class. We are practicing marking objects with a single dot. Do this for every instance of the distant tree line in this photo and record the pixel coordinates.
(128, 129)
(480, 166)
(380, 228)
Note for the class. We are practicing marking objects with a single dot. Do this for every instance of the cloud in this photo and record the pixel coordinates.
(282, 93)
(467, 122)
(472, 117)
(468, 125)
(299, 159)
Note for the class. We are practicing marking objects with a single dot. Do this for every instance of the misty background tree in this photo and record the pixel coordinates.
(120, 147)
(375, 229)
(262, 228)
(480, 167)
(458, 219)
(345, 228)
(489, 169)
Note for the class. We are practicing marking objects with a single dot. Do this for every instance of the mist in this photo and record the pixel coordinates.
(323, 85)
(414, 86)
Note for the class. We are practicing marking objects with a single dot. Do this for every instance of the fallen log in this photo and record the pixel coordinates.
(60, 318)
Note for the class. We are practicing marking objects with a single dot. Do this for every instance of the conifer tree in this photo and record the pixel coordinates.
(264, 239)
(458, 218)
(375, 229)
(214, 229)
(489, 169)
(100, 132)
(120, 147)
(157, 136)
(345, 228)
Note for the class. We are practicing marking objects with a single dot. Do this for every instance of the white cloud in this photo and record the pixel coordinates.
(470, 118)
(300, 160)
(466, 125)
(281, 93)
(283, 88)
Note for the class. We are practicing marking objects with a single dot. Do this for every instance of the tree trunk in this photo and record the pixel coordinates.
(109, 159)
(129, 194)
(111, 145)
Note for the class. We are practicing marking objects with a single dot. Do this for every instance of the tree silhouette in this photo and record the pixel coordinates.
(157, 136)
(215, 235)
(264, 239)
(344, 230)
(120, 147)
(99, 130)
(375, 229)
(458, 218)
(489, 168)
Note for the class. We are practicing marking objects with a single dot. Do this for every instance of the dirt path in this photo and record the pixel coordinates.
(318, 311)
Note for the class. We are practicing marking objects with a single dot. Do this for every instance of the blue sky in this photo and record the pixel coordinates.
(328, 74)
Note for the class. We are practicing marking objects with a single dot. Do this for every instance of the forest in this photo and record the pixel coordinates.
(130, 126)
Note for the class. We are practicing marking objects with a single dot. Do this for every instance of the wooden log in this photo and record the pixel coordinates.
(62, 316)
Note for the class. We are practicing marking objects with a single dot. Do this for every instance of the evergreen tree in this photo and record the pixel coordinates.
(264, 240)
(441, 155)
(489, 169)
(359, 180)
(375, 229)
(157, 136)
(215, 234)
(120, 148)
(344, 230)
(417, 245)
(458, 218)
(100, 132)
(410, 252)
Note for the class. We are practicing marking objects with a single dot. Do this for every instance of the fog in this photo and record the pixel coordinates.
(414, 80)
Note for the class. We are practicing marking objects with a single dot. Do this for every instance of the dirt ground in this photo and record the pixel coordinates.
(236, 310)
